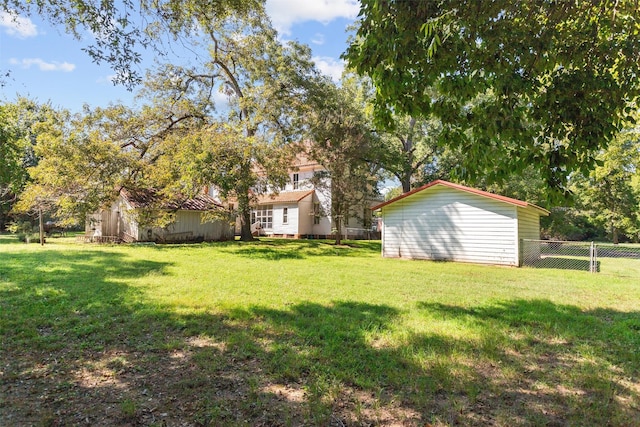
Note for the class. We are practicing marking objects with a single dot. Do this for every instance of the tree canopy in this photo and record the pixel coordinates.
(341, 139)
(223, 120)
(120, 30)
(610, 193)
(536, 82)
(81, 165)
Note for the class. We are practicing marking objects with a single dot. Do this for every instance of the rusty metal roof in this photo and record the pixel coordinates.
(150, 199)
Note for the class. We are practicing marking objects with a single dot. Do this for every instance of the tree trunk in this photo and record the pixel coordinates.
(406, 183)
(408, 151)
(245, 226)
(338, 229)
(245, 217)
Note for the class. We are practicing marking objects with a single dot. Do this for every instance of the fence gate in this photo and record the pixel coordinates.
(621, 260)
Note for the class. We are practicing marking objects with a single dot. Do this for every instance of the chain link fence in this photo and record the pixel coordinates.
(621, 260)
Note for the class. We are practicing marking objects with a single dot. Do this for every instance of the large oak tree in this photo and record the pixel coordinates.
(224, 119)
(240, 145)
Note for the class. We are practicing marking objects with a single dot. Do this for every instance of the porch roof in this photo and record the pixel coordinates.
(284, 197)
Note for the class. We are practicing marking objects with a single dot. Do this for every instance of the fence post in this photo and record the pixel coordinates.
(592, 259)
(521, 253)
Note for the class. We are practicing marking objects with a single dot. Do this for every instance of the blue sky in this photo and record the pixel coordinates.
(49, 66)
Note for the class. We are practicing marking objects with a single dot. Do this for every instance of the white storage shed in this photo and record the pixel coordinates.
(446, 221)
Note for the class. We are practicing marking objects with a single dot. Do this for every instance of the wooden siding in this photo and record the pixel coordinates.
(448, 224)
(120, 221)
(105, 223)
(188, 226)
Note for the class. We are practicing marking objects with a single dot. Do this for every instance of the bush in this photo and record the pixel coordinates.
(29, 237)
(20, 227)
(24, 231)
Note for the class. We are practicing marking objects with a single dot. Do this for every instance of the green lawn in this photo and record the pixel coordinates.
(305, 333)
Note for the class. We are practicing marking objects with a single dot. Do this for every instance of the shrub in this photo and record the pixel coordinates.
(29, 237)
(24, 231)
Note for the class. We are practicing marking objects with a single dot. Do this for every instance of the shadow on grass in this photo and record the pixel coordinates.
(48, 298)
(581, 366)
(81, 346)
(285, 249)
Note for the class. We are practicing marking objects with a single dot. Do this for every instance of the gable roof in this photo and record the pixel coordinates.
(283, 197)
(482, 193)
(302, 159)
(139, 199)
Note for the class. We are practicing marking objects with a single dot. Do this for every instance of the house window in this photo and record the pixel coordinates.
(296, 181)
(264, 215)
(316, 213)
(285, 215)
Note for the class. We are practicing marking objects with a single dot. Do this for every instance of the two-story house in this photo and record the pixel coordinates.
(302, 209)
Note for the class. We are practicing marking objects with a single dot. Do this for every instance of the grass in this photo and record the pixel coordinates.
(305, 333)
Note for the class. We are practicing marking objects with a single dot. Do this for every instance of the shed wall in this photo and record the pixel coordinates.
(528, 228)
(120, 220)
(528, 224)
(448, 224)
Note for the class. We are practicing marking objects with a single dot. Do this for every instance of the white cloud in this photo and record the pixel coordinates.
(107, 79)
(285, 13)
(330, 66)
(17, 26)
(318, 39)
(27, 63)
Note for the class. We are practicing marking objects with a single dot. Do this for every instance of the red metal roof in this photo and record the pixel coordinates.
(482, 193)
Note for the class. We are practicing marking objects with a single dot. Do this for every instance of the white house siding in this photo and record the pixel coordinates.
(448, 224)
(291, 226)
(305, 215)
(323, 195)
(304, 181)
